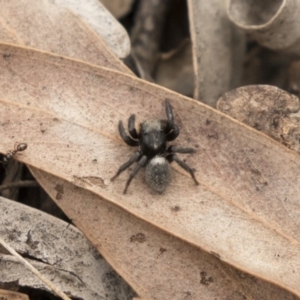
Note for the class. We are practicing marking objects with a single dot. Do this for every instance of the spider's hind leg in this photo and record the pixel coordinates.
(142, 162)
(183, 165)
(126, 165)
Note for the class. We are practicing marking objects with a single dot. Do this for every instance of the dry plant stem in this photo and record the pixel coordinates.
(274, 24)
(218, 50)
(34, 270)
(146, 35)
(24, 183)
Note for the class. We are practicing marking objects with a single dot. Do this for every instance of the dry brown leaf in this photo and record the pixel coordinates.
(9, 295)
(99, 18)
(59, 251)
(218, 50)
(274, 24)
(265, 108)
(156, 264)
(119, 8)
(237, 213)
(52, 28)
(226, 281)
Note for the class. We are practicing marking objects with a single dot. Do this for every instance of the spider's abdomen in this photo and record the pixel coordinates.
(153, 137)
(158, 174)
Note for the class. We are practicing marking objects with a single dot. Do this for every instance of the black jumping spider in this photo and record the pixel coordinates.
(153, 152)
(19, 147)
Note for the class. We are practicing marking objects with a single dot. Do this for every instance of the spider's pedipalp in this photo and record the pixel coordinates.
(126, 138)
(131, 127)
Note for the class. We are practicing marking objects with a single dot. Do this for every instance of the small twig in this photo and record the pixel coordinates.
(34, 270)
(23, 183)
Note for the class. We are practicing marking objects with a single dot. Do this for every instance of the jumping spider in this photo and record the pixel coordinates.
(19, 147)
(153, 152)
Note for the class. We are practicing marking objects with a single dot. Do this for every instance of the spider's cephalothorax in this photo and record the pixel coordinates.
(153, 152)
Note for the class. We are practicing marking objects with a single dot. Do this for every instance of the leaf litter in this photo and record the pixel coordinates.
(213, 216)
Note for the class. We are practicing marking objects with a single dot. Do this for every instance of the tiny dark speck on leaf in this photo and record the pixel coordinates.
(213, 136)
(139, 238)
(58, 196)
(175, 208)
(60, 191)
(162, 250)
(6, 55)
(205, 279)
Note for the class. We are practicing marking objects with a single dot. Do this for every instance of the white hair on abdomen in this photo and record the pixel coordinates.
(158, 173)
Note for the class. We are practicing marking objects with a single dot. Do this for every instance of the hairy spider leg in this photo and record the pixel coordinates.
(172, 130)
(176, 149)
(142, 162)
(131, 127)
(126, 138)
(173, 157)
(126, 165)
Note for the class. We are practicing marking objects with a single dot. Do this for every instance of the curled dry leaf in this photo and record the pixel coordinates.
(101, 20)
(268, 109)
(245, 211)
(218, 50)
(119, 8)
(59, 251)
(274, 24)
(65, 32)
